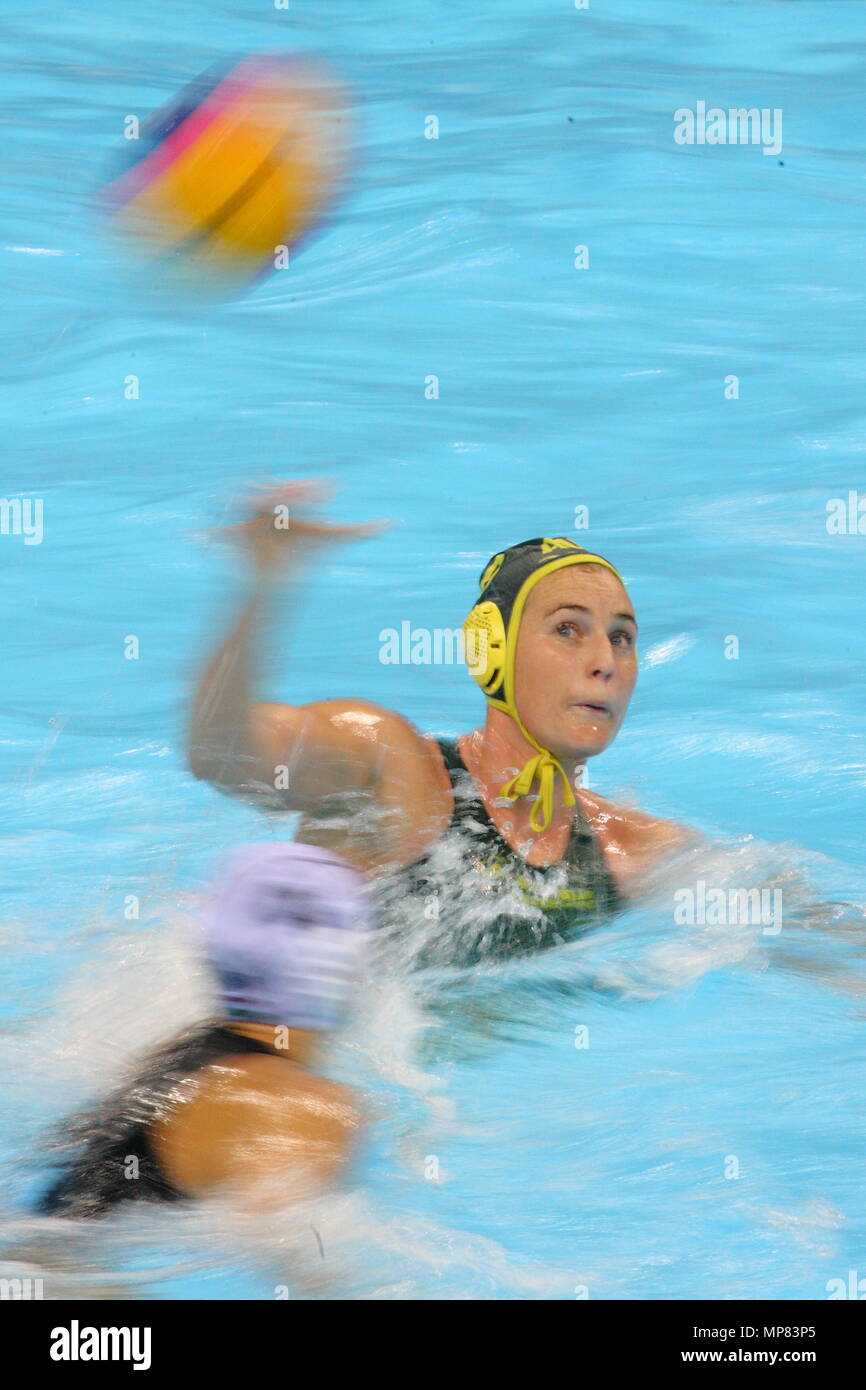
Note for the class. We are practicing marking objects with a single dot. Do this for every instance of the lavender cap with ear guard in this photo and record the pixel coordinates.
(286, 930)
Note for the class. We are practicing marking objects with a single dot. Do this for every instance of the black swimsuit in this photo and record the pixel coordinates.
(115, 1161)
(489, 902)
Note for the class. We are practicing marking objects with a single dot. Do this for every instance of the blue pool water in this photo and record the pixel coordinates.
(709, 1140)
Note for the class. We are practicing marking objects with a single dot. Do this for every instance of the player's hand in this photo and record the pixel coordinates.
(282, 526)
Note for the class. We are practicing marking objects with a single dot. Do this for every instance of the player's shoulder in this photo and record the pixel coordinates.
(268, 1075)
(632, 831)
(299, 1094)
(354, 715)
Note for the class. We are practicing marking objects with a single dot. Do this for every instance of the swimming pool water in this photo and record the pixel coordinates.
(504, 1161)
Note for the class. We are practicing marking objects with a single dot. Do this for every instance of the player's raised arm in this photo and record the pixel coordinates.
(285, 754)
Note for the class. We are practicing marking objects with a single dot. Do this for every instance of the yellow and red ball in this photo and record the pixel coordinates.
(242, 165)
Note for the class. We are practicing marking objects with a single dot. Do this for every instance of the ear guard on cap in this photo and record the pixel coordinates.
(484, 644)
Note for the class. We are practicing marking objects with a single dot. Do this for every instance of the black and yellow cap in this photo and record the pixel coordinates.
(490, 636)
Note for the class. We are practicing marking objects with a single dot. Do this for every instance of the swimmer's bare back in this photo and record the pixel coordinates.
(248, 1119)
(367, 783)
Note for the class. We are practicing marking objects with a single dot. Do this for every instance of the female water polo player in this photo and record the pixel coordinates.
(235, 1101)
(555, 634)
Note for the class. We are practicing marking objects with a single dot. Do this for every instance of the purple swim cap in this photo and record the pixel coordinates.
(286, 931)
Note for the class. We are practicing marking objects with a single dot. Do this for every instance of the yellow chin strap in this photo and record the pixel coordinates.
(544, 767)
(492, 667)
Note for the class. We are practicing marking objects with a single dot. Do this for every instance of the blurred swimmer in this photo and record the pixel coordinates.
(557, 664)
(236, 1100)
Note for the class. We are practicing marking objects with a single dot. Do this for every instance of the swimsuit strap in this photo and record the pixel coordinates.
(464, 806)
